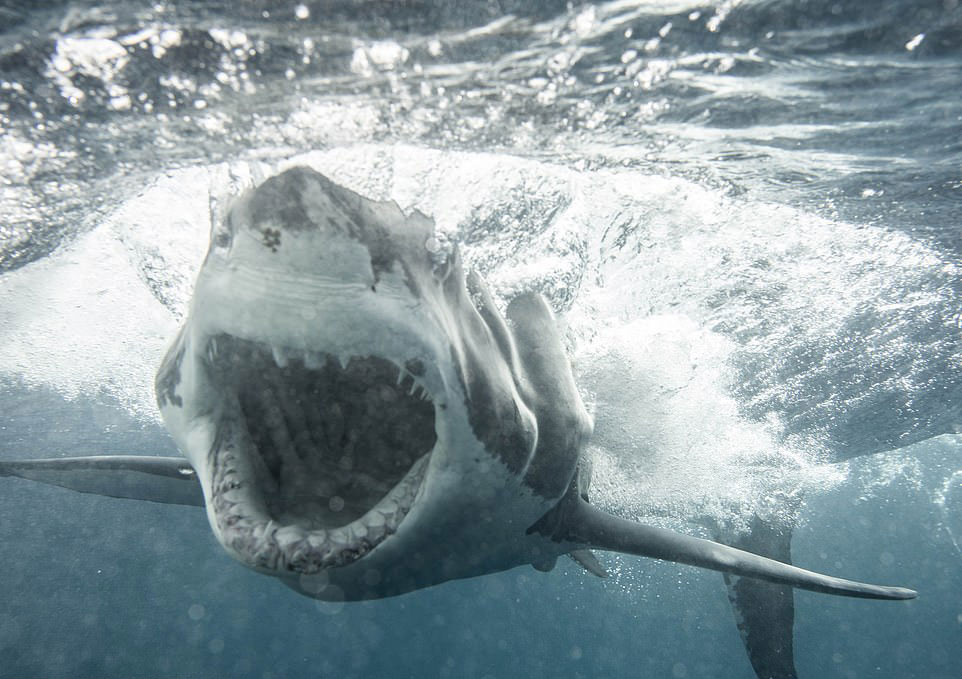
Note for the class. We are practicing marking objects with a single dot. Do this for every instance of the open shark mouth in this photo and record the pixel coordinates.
(317, 458)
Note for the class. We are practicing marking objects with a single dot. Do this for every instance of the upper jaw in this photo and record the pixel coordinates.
(315, 459)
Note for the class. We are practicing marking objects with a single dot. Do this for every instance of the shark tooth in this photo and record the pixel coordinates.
(374, 519)
(318, 539)
(289, 535)
(358, 532)
(339, 538)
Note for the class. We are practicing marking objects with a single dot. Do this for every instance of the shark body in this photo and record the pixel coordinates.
(360, 420)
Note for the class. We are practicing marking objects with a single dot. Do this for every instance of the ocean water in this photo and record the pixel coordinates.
(747, 216)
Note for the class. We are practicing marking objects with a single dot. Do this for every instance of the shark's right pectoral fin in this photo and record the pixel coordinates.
(588, 561)
(587, 526)
(170, 480)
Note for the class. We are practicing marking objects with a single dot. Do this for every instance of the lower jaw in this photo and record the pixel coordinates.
(247, 530)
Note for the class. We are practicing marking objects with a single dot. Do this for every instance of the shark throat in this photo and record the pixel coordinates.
(318, 458)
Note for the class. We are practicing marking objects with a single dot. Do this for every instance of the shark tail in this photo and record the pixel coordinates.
(765, 611)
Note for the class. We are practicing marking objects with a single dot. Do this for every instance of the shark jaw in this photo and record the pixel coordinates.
(336, 382)
(317, 458)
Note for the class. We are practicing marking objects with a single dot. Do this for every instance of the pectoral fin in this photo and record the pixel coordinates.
(170, 480)
(587, 526)
(588, 561)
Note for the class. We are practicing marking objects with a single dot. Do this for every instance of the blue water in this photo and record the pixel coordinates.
(748, 216)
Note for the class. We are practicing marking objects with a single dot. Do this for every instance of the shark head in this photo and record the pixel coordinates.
(337, 384)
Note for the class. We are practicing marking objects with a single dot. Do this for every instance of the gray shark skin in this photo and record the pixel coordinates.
(363, 421)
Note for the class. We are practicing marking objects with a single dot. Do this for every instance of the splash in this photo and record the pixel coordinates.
(930, 471)
(670, 440)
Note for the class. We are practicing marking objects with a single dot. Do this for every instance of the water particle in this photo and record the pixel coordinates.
(915, 42)
(576, 653)
(302, 12)
(196, 612)
(216, 645)
(679, 670)
(121, 103)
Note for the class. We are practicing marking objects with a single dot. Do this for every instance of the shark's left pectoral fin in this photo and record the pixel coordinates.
(170, 480)
(586, 526)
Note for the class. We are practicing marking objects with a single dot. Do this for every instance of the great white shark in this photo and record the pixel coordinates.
(360, 420)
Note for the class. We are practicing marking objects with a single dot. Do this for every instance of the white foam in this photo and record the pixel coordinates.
(83, 323)
(669, 439)
(93, 319)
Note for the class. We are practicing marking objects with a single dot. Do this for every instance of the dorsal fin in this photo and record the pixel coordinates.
(587, 560)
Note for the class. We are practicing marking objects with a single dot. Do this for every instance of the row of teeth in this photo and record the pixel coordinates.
(266, 545)
(417, 389)
(313, 360)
